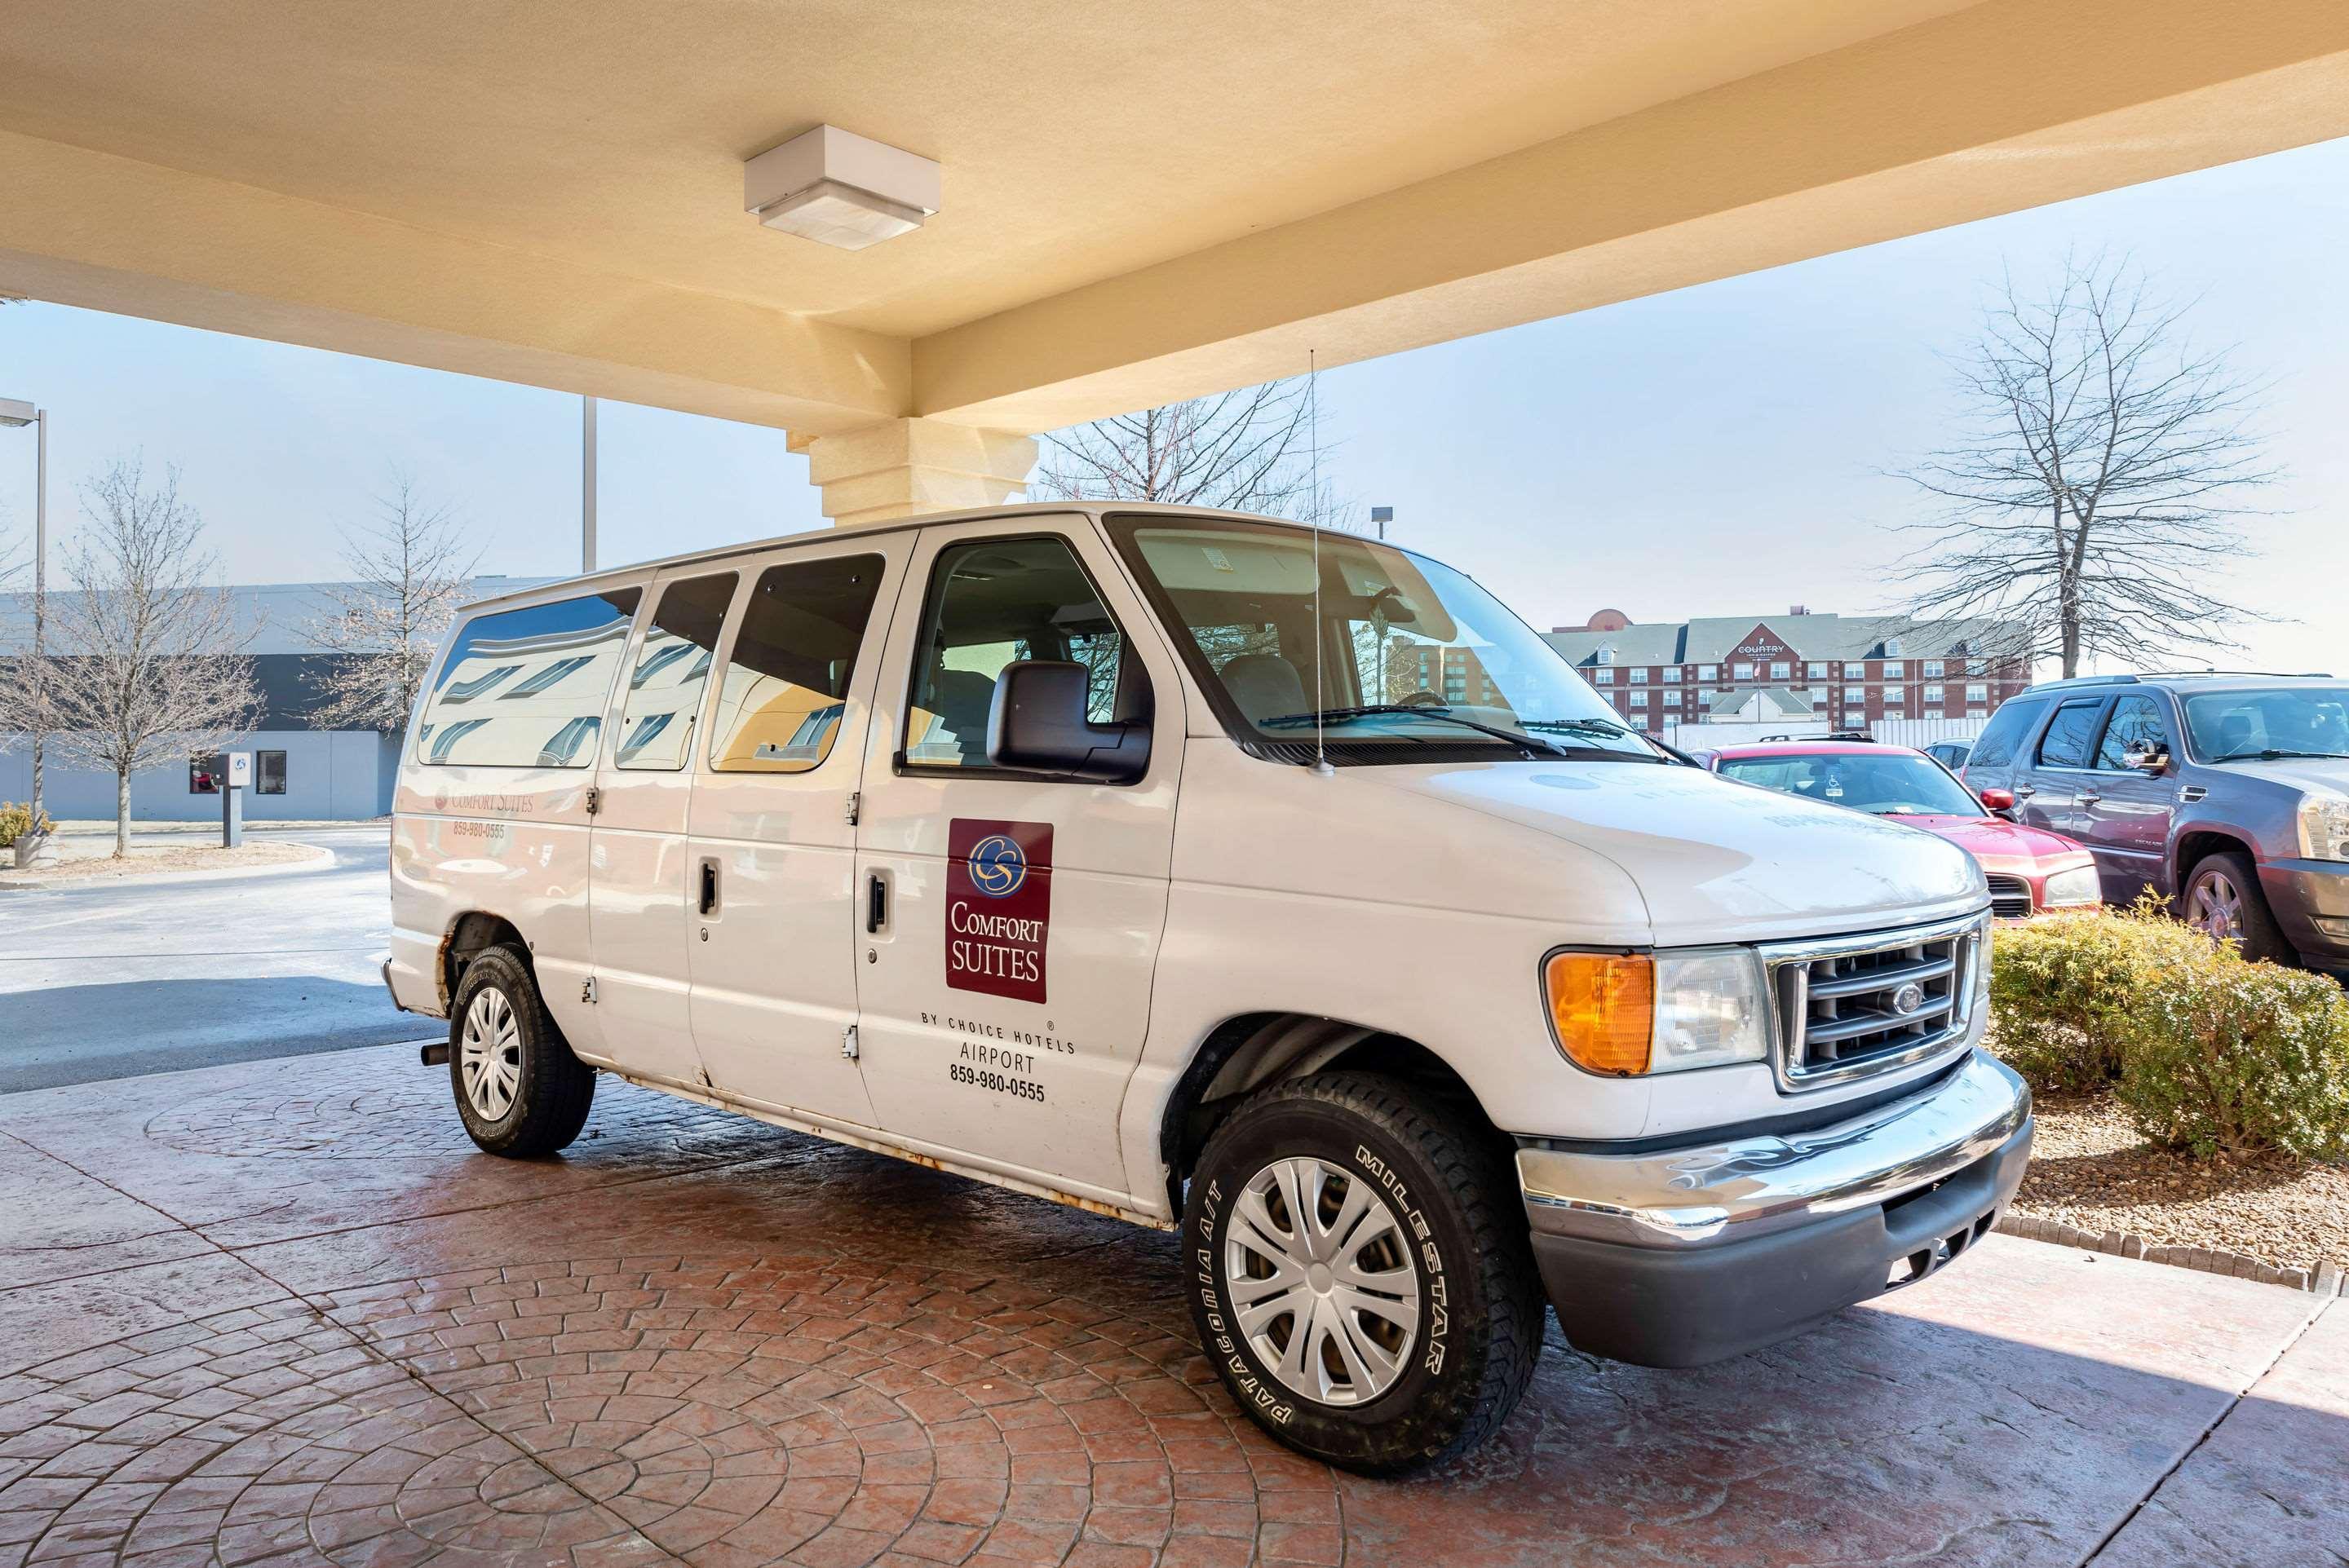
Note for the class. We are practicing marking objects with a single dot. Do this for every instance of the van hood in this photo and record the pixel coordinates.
(1718, 860)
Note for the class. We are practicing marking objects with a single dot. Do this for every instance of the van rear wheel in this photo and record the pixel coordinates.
(1359, 1273)
(519, 1088)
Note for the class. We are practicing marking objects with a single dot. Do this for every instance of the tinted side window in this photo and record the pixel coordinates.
(1995, 747)
(526, 688)
(2065, 744)
(786, 680)
(990, 603)
(2134, 719)
(664, 697)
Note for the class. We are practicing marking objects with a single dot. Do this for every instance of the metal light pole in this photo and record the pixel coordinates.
(586, 484)
(20, 414)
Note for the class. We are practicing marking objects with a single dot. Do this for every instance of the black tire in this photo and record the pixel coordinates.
(550, 1090)
(2257, 933)
(1454, 1196)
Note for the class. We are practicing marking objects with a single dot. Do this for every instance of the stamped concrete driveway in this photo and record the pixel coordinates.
(281, 1313)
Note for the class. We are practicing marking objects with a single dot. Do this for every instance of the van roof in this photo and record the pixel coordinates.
(638, 569)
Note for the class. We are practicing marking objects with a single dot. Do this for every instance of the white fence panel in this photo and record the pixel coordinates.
(1916, 732)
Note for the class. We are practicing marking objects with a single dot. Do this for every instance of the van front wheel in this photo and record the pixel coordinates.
(518, 1087)
(1359, 1270)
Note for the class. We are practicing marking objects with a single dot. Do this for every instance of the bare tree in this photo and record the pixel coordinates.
(1249, 450)
(2102, 479)
(409, 566)
(152, 670)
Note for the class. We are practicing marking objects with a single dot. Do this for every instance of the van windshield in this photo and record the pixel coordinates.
(1397, 658)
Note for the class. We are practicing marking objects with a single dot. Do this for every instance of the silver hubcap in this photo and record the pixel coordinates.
(2215, 908)
(1322, 1282)
(489, 1055)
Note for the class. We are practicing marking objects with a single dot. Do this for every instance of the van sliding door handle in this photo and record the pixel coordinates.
(876, 903)
(709, 887)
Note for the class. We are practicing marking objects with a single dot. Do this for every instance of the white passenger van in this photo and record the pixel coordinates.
(1284, 890)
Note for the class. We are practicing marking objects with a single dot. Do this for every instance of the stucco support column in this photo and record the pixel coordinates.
(907, 467)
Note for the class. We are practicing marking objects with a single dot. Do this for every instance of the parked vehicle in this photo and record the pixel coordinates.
(2028, 871)
(2229, 793)
(1950, 754)
(1120, 855)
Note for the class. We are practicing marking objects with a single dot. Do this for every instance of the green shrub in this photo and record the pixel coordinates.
(16, 821)
(2230, 1055)
(2066, 990)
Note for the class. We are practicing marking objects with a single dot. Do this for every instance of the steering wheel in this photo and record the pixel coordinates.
(1422, 698)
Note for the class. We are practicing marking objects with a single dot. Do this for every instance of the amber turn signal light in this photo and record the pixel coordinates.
(1604, 1005)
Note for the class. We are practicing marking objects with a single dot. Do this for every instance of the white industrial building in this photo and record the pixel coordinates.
(301, 772)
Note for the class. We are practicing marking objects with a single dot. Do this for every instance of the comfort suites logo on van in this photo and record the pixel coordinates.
(998, 906)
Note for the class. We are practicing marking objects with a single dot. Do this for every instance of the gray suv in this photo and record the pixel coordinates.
(2229, 793)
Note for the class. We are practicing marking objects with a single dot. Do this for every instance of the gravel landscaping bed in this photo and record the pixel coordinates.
(146, 861)
(2090, 1168)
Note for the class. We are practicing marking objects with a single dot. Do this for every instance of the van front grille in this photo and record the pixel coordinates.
(2010, 897)
(1849, 1006)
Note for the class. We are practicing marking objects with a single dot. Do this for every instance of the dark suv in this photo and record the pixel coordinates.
(2245, 824)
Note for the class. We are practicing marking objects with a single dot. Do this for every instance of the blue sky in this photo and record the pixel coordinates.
(1711, 451)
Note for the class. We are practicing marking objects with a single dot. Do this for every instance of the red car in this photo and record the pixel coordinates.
(2029, 869)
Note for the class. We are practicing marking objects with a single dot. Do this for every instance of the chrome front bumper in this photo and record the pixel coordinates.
(1705, 1195)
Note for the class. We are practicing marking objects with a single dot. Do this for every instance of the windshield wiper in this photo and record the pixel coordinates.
(1621, 731)
(2272, 753)
(1379, 710)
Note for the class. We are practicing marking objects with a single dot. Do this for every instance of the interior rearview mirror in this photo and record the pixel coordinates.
(1038, 725)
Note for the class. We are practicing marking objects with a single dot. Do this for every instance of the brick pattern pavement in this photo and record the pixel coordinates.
(251, 1324)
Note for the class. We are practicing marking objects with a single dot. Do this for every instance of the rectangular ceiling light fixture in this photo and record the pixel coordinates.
(834, 186)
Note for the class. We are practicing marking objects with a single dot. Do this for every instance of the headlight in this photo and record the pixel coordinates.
(1624, 1014)
(2077, 886)
(2324, 827)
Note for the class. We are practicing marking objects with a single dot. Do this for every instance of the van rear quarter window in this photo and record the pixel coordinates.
(527, 687)
(1995, 748)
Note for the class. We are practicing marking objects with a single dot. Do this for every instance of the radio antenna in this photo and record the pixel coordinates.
(1313, 515)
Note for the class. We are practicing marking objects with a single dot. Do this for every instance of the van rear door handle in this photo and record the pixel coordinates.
(876, 903)
(2026, 792)
(709, 887)
(2087, 796)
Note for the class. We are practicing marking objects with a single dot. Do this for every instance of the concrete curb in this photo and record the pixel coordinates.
(2326, 1281)
(318, 855)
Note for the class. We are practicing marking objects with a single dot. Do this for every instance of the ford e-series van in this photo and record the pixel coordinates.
(1283, 891)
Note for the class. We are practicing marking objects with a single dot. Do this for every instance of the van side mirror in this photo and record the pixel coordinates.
(1038, 725)
(1998, 803)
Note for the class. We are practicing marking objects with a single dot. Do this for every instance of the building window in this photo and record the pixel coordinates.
(1708, 672)
(1853, 671)
(1781, 671)
(1637, 698)
(1932, 694)
(1932, 668)
(1894, 670)
(1672, 675)
(1977, 692)
(1817, 672)
(1933, 713)
(1854, 696)
(1607, 655)
(1740, 672)
(1603, 677)
(208, 773)
(1818, 702)
(269, 773)
(1896, 697)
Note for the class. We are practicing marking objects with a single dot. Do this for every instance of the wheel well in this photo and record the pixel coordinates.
(468, 938)
(2196, 847)
(1243, 1054)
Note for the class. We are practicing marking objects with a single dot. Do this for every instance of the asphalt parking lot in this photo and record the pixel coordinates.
(281, 1313)
(99, 982)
